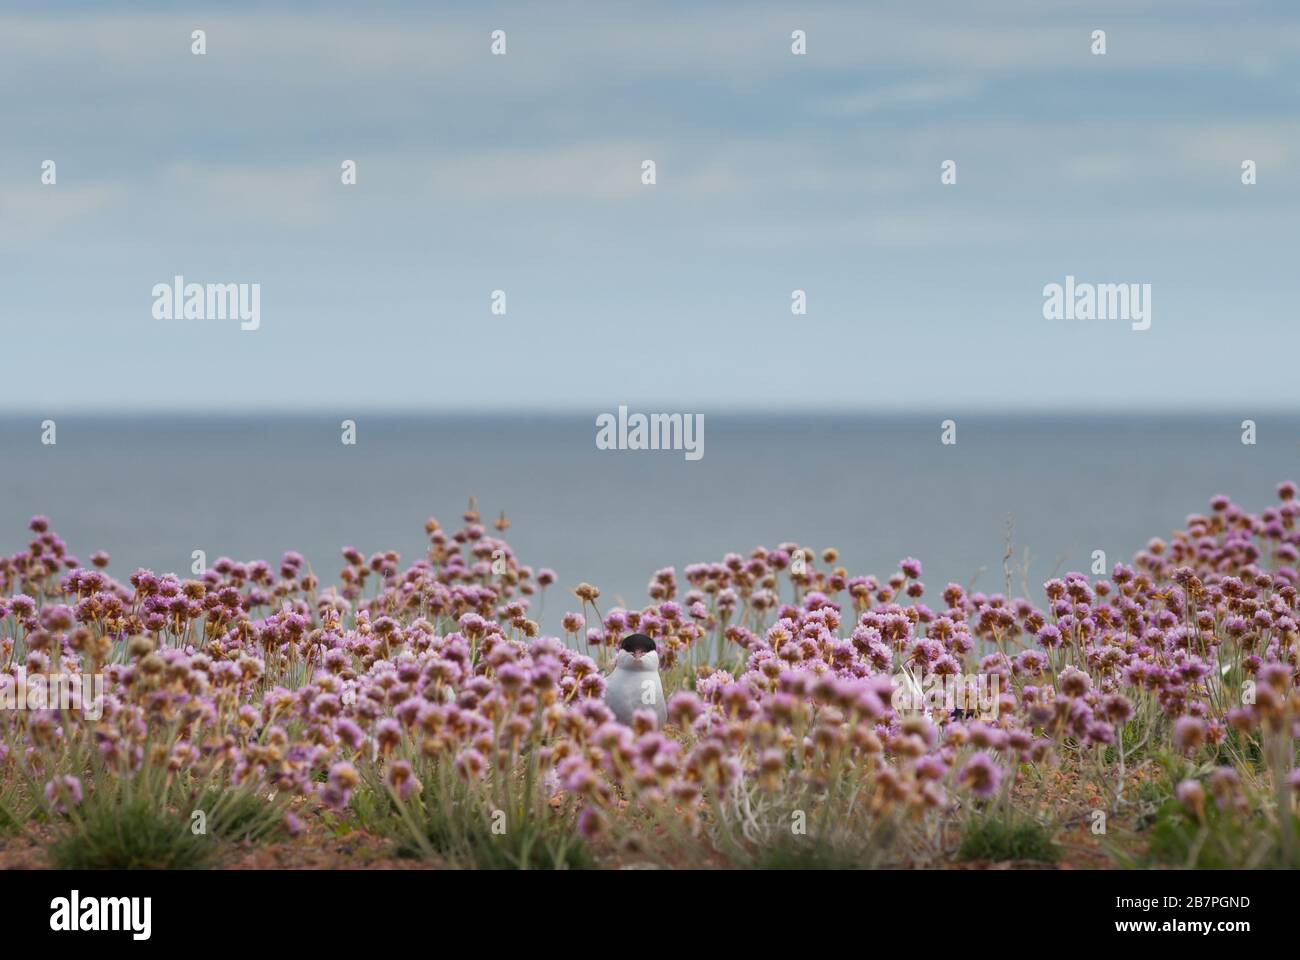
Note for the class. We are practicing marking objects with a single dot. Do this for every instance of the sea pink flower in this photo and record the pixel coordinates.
(981, 774)
(63, 793)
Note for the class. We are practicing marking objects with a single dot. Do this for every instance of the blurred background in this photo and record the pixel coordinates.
(522, 173)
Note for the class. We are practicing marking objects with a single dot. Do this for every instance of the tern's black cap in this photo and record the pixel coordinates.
(638, 641)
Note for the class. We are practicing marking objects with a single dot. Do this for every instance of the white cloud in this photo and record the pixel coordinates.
(912, 95)
(33, 211)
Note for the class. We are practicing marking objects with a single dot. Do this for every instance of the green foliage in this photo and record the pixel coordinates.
(466, 826)
(15, 809)
(239, 814)
(466, 838)
(116, 830)
(997, 837)
(1220, 840)
(807, 853)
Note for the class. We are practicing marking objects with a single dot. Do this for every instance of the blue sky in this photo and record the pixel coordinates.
(775, 172)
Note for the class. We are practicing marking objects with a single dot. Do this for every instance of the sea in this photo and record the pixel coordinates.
(1050, 490)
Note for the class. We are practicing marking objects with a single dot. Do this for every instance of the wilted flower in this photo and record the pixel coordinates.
(981, 774)
(63, 793)
(1189, 733)
(402, 780)
(470, 764)
(343, 776)
(1192, 796)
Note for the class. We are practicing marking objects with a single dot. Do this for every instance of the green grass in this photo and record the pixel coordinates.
(16, 807)
(806, 853)
(996, 838)
(240, 814)
(464, 838)
(116, 832)
(451, 823)
(1224, 840)
(10, 819)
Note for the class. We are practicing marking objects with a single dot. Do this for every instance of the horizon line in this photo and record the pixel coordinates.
(586, 411)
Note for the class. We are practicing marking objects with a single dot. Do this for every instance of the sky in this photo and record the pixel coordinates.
(774, 173)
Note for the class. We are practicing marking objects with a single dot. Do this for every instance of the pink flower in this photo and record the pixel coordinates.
(981, 774)
(63, 793)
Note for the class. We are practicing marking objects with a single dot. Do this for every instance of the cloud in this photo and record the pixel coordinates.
(296, 195)
(34, 211)
(904, 95)
(773, 169)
